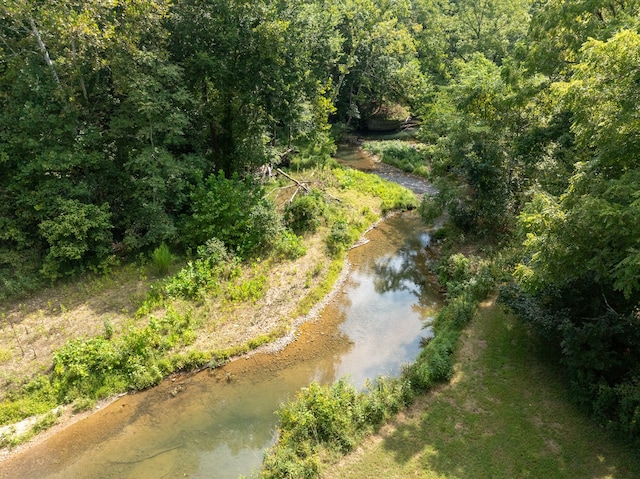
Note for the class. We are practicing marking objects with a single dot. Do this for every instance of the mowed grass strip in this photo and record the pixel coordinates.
(505, 414)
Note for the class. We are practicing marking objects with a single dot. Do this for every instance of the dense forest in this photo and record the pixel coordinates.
(127, 124)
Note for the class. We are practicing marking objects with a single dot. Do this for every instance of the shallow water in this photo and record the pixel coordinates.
(353, 156)
(217, 424)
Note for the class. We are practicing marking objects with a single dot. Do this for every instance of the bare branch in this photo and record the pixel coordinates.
(43, 49)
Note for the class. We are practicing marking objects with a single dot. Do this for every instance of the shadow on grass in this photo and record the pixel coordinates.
(505, 415)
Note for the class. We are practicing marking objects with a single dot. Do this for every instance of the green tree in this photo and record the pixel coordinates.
(258, 70)
(559, 28)
(87, 97)
(378, 67)
(472, 123)
(582, 250)
(491, 27)
(595, 229)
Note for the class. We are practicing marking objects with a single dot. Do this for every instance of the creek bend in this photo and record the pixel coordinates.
(218, 423)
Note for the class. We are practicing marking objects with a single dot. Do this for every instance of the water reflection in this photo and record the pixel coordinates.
(407, 270)
(206, 426)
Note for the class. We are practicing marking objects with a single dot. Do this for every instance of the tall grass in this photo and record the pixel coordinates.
(406, 156)
(162, 259)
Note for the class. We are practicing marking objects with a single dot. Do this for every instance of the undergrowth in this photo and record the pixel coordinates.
(393, 196)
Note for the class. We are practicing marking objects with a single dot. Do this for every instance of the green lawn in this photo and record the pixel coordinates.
(505, 414)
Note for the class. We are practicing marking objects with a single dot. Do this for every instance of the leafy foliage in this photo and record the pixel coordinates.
(235, 212)
(98, 367)
(303, 214)
(162, 259)
(204, 274)
(80, 235)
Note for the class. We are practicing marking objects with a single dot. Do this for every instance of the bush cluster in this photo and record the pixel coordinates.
(205, 273)
(335, 417)
(304, 213)
(85, 370)
(235, 211)
(98, 367)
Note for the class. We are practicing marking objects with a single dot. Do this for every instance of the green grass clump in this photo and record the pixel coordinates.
(335, 418)
(36, 397)
(98, 367)
(162, 259)
(392, 195)
(406, 156)
(248, 289)
(321, 289)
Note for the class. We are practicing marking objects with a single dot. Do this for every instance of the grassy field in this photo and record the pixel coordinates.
(505, 414)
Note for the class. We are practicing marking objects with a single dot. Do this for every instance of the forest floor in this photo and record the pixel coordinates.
(505, 414)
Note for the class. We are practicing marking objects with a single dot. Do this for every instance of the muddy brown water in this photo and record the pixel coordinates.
(218, 423)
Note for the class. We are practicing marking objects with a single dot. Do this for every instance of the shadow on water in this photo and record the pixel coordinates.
(218, 423)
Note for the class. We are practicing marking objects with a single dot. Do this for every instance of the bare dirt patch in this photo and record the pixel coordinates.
(31, 330)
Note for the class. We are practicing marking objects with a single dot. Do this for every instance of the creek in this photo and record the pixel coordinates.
(218, 423)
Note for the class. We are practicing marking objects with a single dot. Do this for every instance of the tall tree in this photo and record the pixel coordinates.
(559, 28)
(492, 27)
(582, 260)
(86, 88)
(258, 70)
(379, 65)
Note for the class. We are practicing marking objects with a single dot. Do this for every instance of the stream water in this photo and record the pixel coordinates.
(218, 423)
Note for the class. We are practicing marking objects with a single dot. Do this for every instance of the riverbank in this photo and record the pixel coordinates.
(226, 416)
(504, 414)
(231, 327)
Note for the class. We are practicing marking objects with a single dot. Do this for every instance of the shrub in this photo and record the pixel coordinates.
(79, 234)
(435, 362)
(235, 211)
(162, 259)
(288, 245)
(303, 214)
(385, 397)
(203, 274)
(249, 289)
(214, 252)
(430, 209)
(291, 461)
(95, 368)
(341, 237)
(323, 414)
